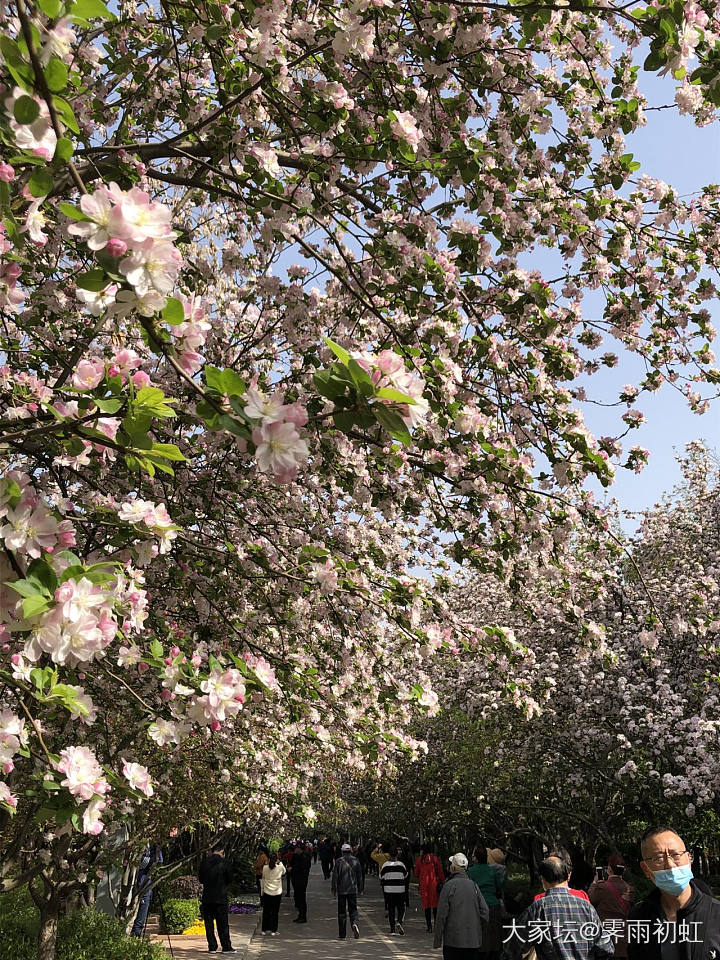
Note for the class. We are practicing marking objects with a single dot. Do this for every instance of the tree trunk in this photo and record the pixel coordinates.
(47, 940)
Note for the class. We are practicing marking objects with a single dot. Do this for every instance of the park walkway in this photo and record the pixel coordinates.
(317, 939)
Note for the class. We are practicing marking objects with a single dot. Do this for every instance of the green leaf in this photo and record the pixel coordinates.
(25, 587)
(66, 114)
(110, 405)
(72, 212)
(41, 182)
(233, 384)
(94, 280)
(32, 606)
(213, 378)
(238, 429)
(51, 8)
(56, 75)
(41, 572)
(64, 150)
(156, 649)
(387, 393)
(342, 355)
(90, 10)
(149, 396)
(329, 385)
(392, 422)
(173, 312)
(26, 109)
(168, 451)
(361, 378)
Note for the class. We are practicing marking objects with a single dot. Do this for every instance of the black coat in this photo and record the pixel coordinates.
(215, 873)
(701, 909)
(300, 864)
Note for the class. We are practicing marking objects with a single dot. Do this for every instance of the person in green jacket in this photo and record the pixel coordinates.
(489, 882)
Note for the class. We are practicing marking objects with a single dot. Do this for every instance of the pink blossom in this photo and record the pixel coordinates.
(138, 777)
(7, 798)
(136, 219)
(116, 247)
(92, 824)
(279, 449)
(140, 379)
(30, 530)
(88, 374)
(39, 136)
(66, 641)
(7, 173)
(404, 127)
(152, 267)
(77, 598)
(84, 777)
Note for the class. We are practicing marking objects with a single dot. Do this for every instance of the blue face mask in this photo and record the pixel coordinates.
(673, 881)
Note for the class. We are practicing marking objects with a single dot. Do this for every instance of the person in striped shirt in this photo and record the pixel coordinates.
(393, 877)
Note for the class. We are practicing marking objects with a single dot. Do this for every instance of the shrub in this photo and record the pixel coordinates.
(179, 914)
(19, 926)
(90, 935)
(82, 934)
(183, 888)
(243, 874)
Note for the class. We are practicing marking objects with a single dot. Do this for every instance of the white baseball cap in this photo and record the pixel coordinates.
(345, 847)
(459, 860)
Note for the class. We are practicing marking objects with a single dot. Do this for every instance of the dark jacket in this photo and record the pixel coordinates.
(300, 864)
(700, 909)
(462, 914)
(215, 872)
(347, 876)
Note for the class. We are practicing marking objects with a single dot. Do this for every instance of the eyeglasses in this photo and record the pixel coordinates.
(676, 856)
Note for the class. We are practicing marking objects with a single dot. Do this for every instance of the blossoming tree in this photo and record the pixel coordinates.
(269, 345)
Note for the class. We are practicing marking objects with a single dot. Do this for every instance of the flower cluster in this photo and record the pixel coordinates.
(279, 448)
(135, 230)
(388, 370)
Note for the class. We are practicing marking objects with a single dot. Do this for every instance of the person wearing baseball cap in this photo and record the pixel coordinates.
(462, 914)
(347, 883)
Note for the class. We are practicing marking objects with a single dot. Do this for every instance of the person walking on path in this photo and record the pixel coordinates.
(462, 914)
(347, 884)
(683, 920)
(380, 856)
(261, 860)
(151, 855)
(569, 925)
(488, 880)
(393, 877)
(287, 861)
(214, 874)
(325, 849)
(431, 877)
(300, 866)
(496, 859)
(271, 887)
(612, 898)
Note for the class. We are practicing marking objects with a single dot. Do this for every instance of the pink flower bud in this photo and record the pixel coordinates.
(7, 173)
(116, 247)
(140, 379)
(215, 726)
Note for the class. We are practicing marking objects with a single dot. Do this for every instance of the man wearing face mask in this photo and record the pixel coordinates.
(682, 920)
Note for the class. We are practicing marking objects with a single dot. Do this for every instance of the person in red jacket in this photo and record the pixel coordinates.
(429, 872)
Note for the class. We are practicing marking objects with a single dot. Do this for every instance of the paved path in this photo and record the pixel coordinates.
(242, 927)
(317, 939)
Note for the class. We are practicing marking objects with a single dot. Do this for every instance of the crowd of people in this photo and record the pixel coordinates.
(464, 901)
